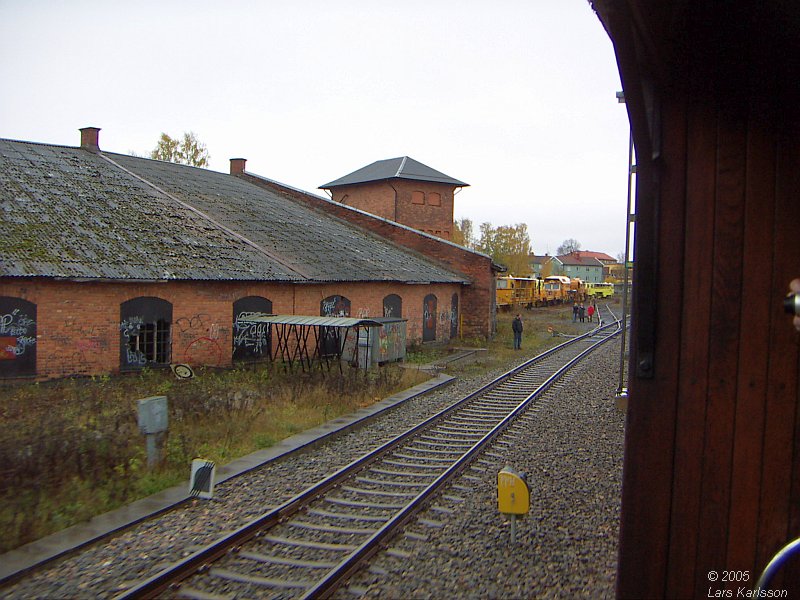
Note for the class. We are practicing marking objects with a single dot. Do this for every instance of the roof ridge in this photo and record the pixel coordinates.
(208, 218)
(400, 168)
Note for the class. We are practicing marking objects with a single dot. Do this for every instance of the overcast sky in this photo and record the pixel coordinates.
(514, 97)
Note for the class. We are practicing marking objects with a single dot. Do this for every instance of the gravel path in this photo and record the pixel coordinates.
(572, 451)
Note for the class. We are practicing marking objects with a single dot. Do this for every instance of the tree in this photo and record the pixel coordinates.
(508, 245)
(570, 245)
(463, 233)
(188, 151)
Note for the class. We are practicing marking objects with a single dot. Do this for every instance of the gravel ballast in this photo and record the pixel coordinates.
(571, 449)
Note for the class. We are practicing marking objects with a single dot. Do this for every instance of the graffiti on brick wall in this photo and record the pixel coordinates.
(145, 332)
(130, 328)
(18, 336)
(251, 341)
(335, 306)
(80, 346)
(251, 336)
(199, 336)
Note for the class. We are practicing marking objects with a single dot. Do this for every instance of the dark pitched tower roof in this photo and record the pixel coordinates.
(402, 167)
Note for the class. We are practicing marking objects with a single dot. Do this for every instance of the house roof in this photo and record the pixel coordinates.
(402, 167)
(578, 259)
(601, 256)
(68, 212)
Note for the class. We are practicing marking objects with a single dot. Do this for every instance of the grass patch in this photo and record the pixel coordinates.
(72, 449)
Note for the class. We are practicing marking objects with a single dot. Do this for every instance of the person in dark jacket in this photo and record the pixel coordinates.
(516, 327)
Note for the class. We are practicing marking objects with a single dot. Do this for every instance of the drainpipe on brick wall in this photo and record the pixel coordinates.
(395, 202)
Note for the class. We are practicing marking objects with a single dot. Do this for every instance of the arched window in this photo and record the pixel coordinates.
(434, 199)
(332, 306)
(429, 318)
(335, 306)
(145, 333)
(417, 197)
(17, 337)
(393, 306)
(251, 341)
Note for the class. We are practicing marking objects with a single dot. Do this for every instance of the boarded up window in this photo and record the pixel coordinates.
(332, 306)
(429, 318)
(17, 337)
(392, 306)
(454, 317)
(145, 333)
(434, 199)
(335, 306)
(417, 197)
(251, 341)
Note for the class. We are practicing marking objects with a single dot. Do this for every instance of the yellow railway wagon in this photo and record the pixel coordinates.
(599, 290)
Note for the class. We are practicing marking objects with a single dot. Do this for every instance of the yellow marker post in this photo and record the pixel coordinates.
(513, 496)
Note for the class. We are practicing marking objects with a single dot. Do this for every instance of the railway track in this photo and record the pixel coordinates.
(306, 547)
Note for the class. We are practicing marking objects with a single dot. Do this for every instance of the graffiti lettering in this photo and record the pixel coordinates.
(131, 326)
(15, 328)
(335, 306)
(249, 334)
(187, 324)
(135, 357)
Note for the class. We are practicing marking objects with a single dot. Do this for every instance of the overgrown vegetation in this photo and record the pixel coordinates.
(72, 449)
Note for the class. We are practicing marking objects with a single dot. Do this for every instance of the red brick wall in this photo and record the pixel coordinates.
(477, 299)
(392, 200)
(78, 323)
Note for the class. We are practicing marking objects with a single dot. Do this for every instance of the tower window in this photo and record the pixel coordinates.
(434, 199)
(417, 197)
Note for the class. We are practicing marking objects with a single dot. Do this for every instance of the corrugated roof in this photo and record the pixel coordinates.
(402, 167)
(320, 246)
(314, 321)
(71, 213)
(68, 213)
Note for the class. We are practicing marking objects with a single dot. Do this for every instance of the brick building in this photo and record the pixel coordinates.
(401, 190)
(114, 263)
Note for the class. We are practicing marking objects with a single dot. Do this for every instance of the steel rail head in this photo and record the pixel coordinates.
(328, 584)
(159, 582)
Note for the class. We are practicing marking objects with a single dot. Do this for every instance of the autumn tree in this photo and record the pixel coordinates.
(186, 151)
(508, 245)
(570, 245)
(463, 233)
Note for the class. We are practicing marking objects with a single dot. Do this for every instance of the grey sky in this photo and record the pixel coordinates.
(515, 97)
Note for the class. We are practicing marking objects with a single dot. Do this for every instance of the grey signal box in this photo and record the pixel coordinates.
(153, 414)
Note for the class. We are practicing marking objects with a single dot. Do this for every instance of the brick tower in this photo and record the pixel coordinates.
(401, 190)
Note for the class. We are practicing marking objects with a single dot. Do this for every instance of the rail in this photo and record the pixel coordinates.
(493, 406)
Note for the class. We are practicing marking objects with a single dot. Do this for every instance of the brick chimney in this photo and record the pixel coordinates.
(90, 137)
(237, 166)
